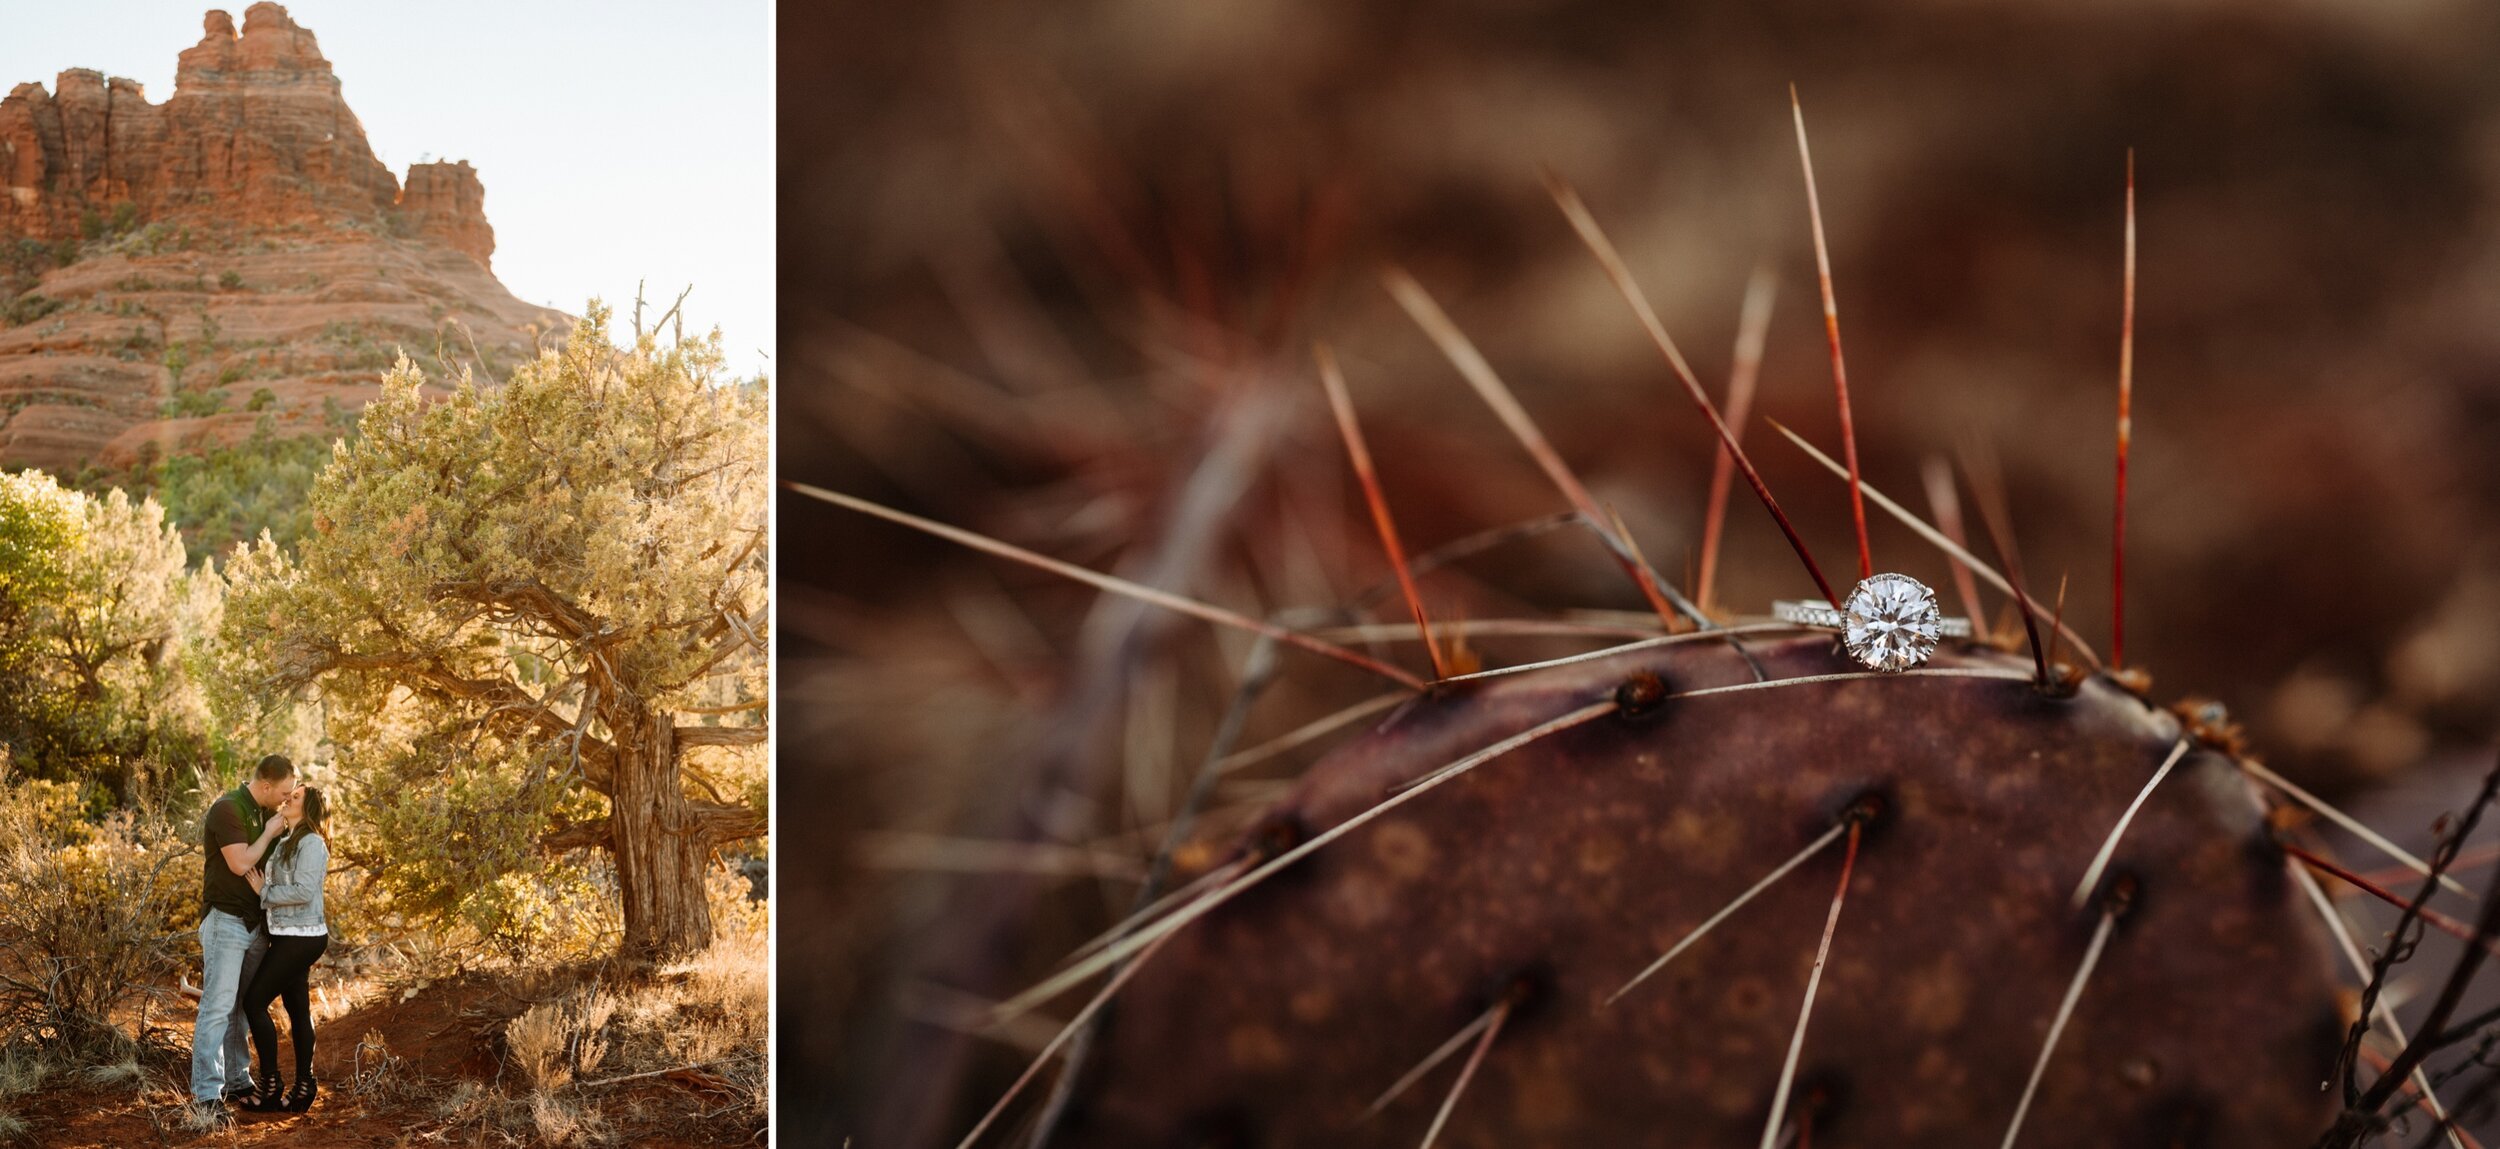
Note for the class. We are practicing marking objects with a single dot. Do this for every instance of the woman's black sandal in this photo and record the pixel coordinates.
(264, 1097)
(301, 1097)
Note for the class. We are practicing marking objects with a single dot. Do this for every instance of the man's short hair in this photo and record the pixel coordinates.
(274, 768)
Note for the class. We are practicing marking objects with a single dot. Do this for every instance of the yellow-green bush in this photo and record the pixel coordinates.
(452, 841)
(93, 916)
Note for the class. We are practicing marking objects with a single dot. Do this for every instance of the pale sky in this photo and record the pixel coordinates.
(621, 140)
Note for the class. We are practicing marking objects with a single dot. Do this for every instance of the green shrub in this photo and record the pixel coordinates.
(462, 838)
(22, 265)
(141, 342)
(227, 495)
(193, 404)
(28, 308)
(92, 915)
(152, 238)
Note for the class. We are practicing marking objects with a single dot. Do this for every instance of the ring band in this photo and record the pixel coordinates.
(1816, 612)
(1890, 623)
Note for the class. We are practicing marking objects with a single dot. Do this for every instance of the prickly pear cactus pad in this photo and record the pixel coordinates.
(1728, 882)
(1540, 882)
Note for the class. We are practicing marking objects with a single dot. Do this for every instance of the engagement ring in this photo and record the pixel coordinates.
(1891, 621)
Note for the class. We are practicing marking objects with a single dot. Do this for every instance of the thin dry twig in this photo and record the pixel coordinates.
(2361, 1112)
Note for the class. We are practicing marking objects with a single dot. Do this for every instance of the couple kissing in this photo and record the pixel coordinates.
(262, 927)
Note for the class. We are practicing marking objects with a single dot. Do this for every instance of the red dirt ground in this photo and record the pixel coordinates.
(446, 1033)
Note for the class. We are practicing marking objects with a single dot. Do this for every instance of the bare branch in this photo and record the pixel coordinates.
(529, 598)
(721, 735)
(734, 708)
(712, 823)
(511, 708)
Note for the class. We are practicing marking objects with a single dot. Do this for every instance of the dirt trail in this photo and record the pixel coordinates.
(383, 1068)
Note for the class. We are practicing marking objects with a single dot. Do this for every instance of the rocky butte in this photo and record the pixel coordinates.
(232, 265)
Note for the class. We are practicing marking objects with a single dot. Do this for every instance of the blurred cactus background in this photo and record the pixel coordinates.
(1054, 273)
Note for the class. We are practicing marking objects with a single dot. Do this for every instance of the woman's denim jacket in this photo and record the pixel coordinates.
(291, 889)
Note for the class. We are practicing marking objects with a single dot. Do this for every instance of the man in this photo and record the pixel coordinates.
(235, 833)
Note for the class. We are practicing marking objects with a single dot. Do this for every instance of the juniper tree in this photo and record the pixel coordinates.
(518, 600)
(97, 608)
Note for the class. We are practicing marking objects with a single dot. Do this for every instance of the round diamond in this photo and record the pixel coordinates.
(1891, 622)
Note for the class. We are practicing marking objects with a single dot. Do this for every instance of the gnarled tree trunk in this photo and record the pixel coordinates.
(659, 843)
(659, 839)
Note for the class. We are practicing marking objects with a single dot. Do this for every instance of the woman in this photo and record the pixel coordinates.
(298, 934)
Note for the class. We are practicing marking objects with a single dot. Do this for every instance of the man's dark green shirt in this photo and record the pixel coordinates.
(234, 819)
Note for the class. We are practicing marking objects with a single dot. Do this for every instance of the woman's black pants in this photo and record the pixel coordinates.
(285, 972)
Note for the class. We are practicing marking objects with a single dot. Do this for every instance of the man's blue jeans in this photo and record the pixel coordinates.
(230, 952)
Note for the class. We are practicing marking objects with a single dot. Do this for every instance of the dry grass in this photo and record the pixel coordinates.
(89, 934)
(88, 925)
(374, 1069)
(559, 1042)
(93, 933)
(709, 1013)
(20, 1075)
(586, 1057)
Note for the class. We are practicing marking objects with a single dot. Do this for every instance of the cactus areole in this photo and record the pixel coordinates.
(1543, 880)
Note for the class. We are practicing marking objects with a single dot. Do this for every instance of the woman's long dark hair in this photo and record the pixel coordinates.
(316, 810)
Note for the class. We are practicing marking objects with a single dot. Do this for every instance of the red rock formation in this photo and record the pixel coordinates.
(231, 263)
(256, 136)
(444, 202)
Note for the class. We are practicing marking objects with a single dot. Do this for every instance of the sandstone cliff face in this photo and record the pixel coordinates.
(139, 354)
(256, 135)
(444, 202)
(231, 262)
